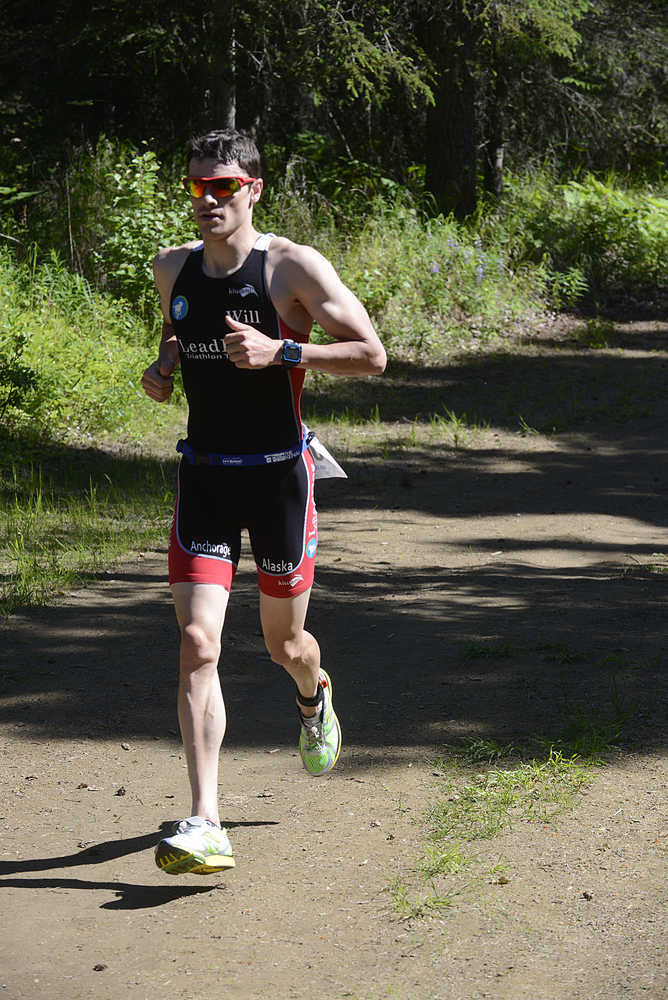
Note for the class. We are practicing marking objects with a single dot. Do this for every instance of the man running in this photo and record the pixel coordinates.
(238, 308)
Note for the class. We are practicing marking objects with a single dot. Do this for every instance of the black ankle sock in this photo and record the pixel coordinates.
(313, 702)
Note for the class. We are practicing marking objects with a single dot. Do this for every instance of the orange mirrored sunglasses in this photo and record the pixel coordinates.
(221, 187)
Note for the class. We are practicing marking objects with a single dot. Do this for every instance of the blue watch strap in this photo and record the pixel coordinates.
(291, 353)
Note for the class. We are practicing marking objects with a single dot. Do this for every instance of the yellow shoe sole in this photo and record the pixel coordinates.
(174, 861)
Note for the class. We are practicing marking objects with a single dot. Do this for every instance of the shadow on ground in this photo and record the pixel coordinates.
(421, 656)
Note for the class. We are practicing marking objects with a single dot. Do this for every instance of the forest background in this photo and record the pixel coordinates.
(470, 166)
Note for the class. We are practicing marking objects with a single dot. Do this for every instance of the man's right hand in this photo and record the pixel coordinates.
(158, 382)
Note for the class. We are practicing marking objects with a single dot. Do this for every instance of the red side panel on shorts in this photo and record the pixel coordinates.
(300, 578)
(185, 567)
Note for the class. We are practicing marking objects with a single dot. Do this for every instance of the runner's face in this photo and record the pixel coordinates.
(221, 216)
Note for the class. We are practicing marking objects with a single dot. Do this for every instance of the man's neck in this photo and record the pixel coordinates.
(224, 256)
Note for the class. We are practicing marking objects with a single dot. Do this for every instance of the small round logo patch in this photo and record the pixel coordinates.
(311, 547)
(180, 307)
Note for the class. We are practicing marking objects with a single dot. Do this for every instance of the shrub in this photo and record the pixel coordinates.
(72, 358)
(142, 217)
(606, 238)
(108, 213)
(429, 284)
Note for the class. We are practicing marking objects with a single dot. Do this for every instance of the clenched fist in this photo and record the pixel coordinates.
(248, 348)
(158, 382)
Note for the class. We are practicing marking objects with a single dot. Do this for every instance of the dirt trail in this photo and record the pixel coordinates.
(545, 548)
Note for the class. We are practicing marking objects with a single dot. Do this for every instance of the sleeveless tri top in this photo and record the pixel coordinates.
(232, 410)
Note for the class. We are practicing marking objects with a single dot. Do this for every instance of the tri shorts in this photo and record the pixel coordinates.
(274, 503)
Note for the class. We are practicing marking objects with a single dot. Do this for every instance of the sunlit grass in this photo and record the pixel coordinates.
(56, 528)
(482, 805)
(484, 789)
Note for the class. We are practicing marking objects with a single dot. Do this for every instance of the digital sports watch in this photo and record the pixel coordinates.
(291, 353)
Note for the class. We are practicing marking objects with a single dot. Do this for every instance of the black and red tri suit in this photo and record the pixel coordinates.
(237, 416)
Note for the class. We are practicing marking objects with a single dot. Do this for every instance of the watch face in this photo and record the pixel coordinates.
(292, 352)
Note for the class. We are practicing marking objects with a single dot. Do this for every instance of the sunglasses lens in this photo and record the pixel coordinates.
(193, 186)
(221, 187)
(225, 187)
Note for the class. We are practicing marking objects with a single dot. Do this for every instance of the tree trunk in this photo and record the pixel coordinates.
(496, 127)
(451, 134)
(220, 94)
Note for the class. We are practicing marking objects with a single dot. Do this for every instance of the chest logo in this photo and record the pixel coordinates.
(243, 291)
(180, 307)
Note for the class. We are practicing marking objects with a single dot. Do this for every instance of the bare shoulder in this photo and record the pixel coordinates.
(293, 266)
(169, 260)
(283, 254)
(167, 264)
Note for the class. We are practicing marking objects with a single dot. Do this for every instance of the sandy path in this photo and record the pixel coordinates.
(532, 544)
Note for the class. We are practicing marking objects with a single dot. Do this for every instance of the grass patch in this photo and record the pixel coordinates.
(410, 909)
(454, 427)
(480, 806)
(596, 334)
(484, 789)
(74, 514)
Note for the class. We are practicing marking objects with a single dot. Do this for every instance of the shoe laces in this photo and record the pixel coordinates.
(315, 733)
(186, 825)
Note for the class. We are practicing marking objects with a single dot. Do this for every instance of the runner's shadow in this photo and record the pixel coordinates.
(94, 854)
(110, 850)
(128, 896)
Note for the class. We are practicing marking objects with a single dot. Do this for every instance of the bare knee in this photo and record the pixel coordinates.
(285, 651)
(200, 649)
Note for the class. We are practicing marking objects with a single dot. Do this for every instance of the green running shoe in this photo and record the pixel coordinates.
(320, 742)
(197, 847)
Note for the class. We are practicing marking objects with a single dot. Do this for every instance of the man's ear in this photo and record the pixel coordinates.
(256, 191)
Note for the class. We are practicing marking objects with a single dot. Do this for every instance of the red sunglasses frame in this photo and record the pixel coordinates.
(215, 183)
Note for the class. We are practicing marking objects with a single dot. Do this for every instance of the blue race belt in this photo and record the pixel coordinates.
(238, 461)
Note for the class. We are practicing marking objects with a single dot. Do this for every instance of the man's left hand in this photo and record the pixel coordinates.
(248, 348)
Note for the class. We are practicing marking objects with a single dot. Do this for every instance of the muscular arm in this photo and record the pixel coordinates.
(305, 288)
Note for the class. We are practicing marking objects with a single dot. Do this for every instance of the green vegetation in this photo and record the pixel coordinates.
(68, 514)
(484, 789)
(429, 283)
(111, 209)
(480, 806)
(73, 356)
(471, 806)
(591, 235)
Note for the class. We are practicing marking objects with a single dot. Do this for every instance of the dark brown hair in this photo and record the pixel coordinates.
(226, 146)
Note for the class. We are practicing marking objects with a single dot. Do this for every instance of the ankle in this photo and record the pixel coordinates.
(209, 815)
(310, 708)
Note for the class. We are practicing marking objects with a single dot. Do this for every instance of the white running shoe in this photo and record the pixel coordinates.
(197, 846)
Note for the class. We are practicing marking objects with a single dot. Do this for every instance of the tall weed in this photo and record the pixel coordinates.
(434, 284)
